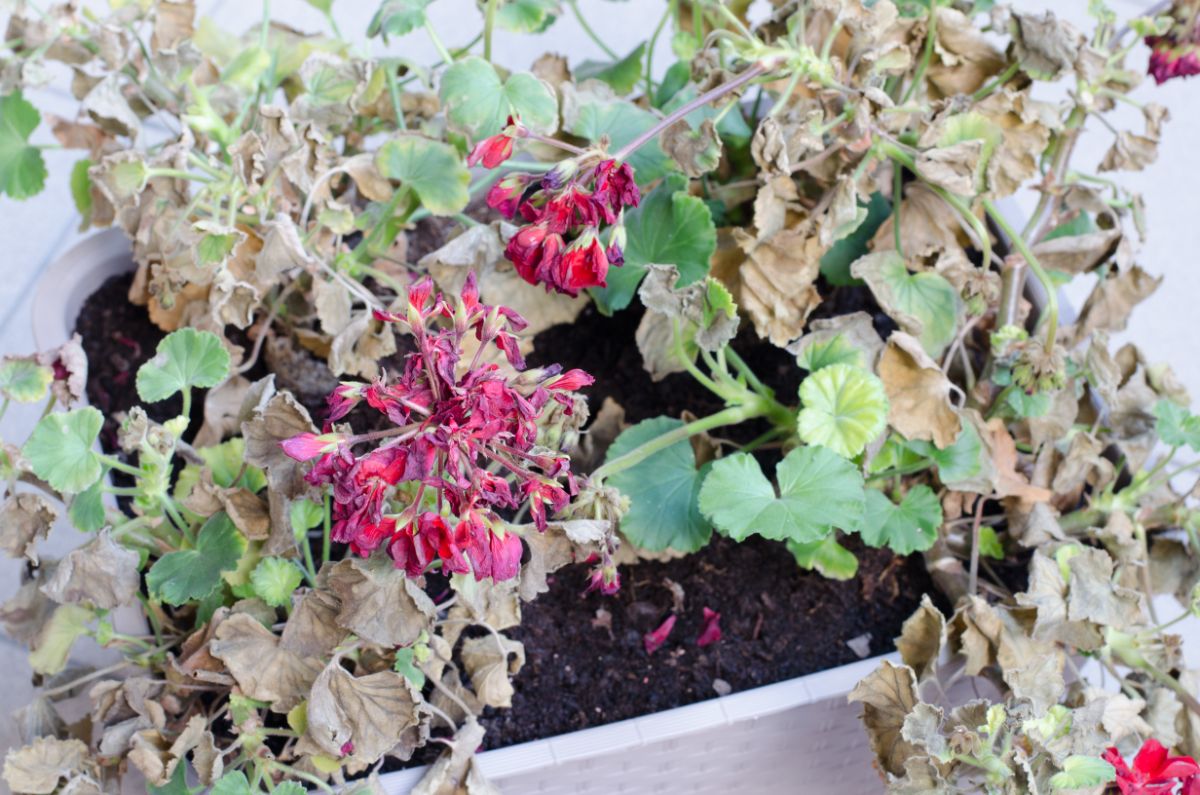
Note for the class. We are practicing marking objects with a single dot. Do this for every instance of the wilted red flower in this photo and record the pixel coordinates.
(1169, 59)
(582, 265)
(652, 641)
(505, 196)
(1153, 770)
(711, 632)
(463, 429)
(496, 149)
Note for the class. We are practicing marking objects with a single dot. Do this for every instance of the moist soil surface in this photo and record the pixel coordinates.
(586, 664)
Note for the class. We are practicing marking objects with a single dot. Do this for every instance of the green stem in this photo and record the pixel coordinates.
(489, 23)
(781, 103)
(310, 569)
(447, 58)
(325, 541)
(177, 173)
(591, 34)
(187, 403)
(310, 778)
(997, 82)
(120, 466)
(740, 364)
(394, 92)
(1035, 267)
(897, 200)
(730, 416)
(926, 54)
(650, 51)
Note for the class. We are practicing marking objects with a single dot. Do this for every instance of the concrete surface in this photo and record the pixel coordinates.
(33, 233)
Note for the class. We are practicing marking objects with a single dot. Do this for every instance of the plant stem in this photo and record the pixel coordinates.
(394, 92)
(447, 58)
(489, 23)
(650, 52)
(996, 82)
(926, 54)
(591, 34)
(699, 102)
(325, 540)
(120, 466)
(730, 416)
(545, 139)
(1018, 242)
(897, 196)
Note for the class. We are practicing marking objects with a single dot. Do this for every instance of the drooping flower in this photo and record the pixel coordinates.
(494, 150)
(583, 265)
(652, 641)
(1170, 59)
(1153, 770)
(711, 631)
(465, 432)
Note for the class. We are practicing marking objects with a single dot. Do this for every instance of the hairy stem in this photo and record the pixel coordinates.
(1022, 248)
(591, 34)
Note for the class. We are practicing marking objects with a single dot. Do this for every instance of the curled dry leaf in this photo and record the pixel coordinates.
(696, 151)
(28, 519)
(487, 661)
(312, 629)
(158, 764)
(379, 603)
(921, 639)
(918, 392)
(888, 694)
(101, 573)
(360, 718)
(1108, 306)
(778, 282)
(964, 58)
(41, 766)
(263, 668)
(455, 772)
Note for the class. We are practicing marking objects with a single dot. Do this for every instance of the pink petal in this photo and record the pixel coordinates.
(711, 632)
(653, 640)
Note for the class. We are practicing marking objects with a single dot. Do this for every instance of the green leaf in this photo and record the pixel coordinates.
(87, 508)
(22, 169)
(1081, 224)
(289, 788)
(184, 359)
(324, 6)
(828, 557)
(845, 408)
(818, 490)
(397, 17)
(60, 449)
(662, 489)
(81, 187)
(668, 228)
(191, 574)
(732, 126)
(835, 263)
(622, 75)
(926, 297)
(274, 580)
(24, 380)
(1176, 425)
(226, 460)
(214, 248)
(305, 515)
(528, 16)
(621, 121)
(432, 169)
(960, 461)
(1023, 404)
(1080, 772)
(478, 103)
(908, 527)
(989, 543)
(406, 666)
(835, 350)
(176, 785)
(232, 783)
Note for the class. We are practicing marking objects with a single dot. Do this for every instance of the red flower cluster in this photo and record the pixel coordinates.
(452, 420)
(1154, 772)
(1170, 58)
(565, 212)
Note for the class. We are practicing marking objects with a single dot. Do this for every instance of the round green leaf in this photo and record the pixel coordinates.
(184, 359)
(828, 557)
(908, 527)
(60, 449)
(925, 304)
(818, 490)
(398, 17)
(478, 103)
(527, 16)
(590, 116)
(433, 170)
(1176, 425)
(1081, 772)
(670, 227)
(87, 508)
(274, 580)
(845, 408)
(662, 489)
(24, 380)
(22, 169)
(192, 574)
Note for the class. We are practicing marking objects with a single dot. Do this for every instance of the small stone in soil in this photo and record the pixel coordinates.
(860, 645)
(722, 687)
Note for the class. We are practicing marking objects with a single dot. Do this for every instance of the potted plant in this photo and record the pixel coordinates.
(414, 357)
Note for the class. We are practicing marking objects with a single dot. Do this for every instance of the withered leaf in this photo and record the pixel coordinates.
(39, 767)
(888, 694)
(312, 630)
(1094, 596)
(455, 773)
(101, 573)
(379, 603)
(918, 392)
(778, 282)
(264, 669)
(696, 151)
(487, 662)
(921, 639)
(368, 714)
(1108, 306)
(28, 518)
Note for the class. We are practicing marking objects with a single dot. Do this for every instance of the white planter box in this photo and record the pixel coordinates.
(800, 735)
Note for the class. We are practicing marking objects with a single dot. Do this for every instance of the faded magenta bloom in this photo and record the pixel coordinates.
(652, 641)
(494, 150)
(1153, 771)
(463, 430)
(1169, 59)
(711, 632)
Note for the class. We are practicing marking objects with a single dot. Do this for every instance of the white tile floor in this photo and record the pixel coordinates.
(33, 233)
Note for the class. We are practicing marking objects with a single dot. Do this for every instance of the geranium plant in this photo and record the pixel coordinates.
(351, 258)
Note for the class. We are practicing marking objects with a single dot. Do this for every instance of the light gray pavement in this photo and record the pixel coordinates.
(35, 232)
